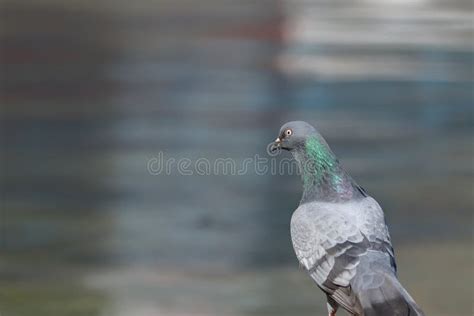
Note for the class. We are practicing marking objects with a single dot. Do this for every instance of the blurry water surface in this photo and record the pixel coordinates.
(93, 90)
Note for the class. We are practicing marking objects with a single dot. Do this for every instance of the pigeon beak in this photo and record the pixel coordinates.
(275, 146)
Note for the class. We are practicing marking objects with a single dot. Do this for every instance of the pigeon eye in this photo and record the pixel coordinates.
(288, 132)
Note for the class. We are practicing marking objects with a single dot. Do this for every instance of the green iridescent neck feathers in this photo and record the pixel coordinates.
(323, 177)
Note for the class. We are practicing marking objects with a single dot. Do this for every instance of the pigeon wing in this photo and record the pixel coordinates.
(329, 246)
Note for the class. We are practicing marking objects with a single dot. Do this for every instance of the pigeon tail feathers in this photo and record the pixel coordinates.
(390, 299)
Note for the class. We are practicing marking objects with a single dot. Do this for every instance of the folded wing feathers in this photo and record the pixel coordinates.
(327, 250)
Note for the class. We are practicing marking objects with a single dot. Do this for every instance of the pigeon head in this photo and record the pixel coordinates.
(323, 177)
(293, 135)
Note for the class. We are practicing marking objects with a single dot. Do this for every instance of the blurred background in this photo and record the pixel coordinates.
(92, 90)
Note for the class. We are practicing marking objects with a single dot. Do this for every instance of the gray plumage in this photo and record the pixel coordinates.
(339, 233)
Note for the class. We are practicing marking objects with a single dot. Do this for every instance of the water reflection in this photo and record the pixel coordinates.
(93, 92)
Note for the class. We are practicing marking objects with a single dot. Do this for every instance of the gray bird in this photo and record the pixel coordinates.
(339, 233)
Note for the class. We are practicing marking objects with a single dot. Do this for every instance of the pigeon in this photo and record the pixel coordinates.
(339, 232)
